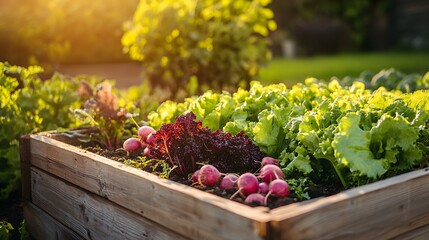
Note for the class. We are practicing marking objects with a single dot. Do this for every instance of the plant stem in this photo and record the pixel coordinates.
(340, 176)
(135, 122)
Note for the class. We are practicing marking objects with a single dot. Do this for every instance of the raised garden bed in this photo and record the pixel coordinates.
(70, 193)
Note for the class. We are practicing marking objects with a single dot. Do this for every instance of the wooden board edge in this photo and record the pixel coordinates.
(41, 225)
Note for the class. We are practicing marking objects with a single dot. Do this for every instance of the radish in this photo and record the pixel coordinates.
(150, 140)
(228, 182)
(278, 188)
(270, 172)
(247, 183)
(146, 152)
(263, 188)
(269, 160)
(131, 144)
(144, 132)
(195, 176)
(208, 175)
(256, 199)
(143, 144)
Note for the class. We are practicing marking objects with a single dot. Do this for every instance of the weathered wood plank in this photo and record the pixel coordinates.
(25, 156)
(380, 210)
(421, 233)
(386, 209)
(42, 226)
(196, 214)
(90, 215)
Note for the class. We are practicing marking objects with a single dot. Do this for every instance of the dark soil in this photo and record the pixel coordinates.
(122, 156)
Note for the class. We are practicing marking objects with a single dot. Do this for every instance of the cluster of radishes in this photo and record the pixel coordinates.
(145, 137)
(254, 188)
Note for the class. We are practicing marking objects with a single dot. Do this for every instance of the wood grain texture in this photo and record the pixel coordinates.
(421, 233)
(44, 227)
(196, 214)
(89, 215)
(380, 210)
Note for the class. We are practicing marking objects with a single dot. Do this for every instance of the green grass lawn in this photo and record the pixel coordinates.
(291, 71)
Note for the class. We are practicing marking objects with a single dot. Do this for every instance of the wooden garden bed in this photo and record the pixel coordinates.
(70, 193)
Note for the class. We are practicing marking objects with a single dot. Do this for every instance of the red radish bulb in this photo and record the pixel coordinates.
(195, 176)
(150, 140)
(279, 188)
(146, 152)
(263, 188)
(208, 175)
(255, 198)
(228, 182)
(247, 183)
(270, 172)
(144, 131)
(131, 144)
(269, 160)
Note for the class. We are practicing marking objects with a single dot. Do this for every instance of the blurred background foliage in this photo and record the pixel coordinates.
(332, 26)
(216, 44)
(52, 32)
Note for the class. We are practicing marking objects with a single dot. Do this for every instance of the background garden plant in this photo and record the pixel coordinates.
(195, 45)
(28, 105)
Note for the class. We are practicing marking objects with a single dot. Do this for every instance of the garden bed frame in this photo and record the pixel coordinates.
(70, 193)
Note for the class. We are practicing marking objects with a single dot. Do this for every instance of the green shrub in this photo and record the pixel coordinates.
(29, 104)
(214, 43)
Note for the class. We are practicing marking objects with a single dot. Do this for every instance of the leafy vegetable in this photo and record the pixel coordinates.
(185, 143)
(323, 132)
(102, 111)
(391, 79)
(352, 148)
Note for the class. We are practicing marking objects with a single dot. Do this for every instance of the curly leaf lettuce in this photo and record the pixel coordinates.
(352, 148)
(394, 139)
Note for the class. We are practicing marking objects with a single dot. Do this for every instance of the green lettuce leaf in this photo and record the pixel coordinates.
(352, 150)
(394, 139)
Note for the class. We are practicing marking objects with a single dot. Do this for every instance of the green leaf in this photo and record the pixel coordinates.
(301, 163)
(221, 114)
(351, 145)
(396, 131)
(394, 136)
(266, 132)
